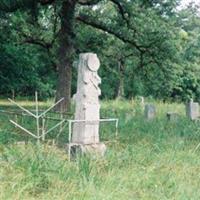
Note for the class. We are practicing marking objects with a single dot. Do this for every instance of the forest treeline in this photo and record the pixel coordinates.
(146, 47)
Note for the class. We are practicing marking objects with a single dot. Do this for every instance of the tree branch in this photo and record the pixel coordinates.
(123, 13)
(43, 44)
(99, 25)
(46, 2)
(88, 2)
(37, 42)
(13, 5)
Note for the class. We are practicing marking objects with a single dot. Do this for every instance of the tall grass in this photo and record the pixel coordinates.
(154, 159)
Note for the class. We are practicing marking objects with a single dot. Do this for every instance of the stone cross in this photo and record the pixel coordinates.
(86, 134)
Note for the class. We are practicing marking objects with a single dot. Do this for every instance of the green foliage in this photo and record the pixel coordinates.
(146, 48)
(23, 69)
(154, 159)
(149, 61)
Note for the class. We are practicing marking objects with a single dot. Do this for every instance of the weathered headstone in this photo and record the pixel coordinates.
(86, 134)
(150, 111)
(192, 110)
(172, 116)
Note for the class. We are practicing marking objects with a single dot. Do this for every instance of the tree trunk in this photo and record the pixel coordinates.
(65, 55)
(121, 94)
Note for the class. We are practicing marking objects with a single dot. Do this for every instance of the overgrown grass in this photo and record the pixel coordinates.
(154, 159)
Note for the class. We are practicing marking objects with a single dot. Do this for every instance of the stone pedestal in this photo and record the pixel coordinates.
(89, 149)
(86, 133)
(150, 111)
(192, 110)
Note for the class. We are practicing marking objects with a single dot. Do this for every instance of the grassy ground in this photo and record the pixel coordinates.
(149, 160)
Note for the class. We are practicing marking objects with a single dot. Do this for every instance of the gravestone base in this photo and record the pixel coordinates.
(97, 149)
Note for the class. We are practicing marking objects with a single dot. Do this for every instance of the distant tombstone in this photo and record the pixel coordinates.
(75, 64)
(172, 116)
(150, 111)
(128, 117)
(86, 134)
(192, 110)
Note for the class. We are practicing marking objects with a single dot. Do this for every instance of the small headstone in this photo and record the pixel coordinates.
(75, 64)
(172, 116)
(128, 117)
(192, 110)
(150, 111)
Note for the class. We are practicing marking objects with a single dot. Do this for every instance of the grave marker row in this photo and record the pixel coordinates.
(192, 112)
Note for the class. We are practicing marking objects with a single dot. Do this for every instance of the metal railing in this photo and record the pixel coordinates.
(37, 116)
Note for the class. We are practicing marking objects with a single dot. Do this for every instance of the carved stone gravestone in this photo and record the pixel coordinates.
(192, 110)
(149, 111)
(86, 133)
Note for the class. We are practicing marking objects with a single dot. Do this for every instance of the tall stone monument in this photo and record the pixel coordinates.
(85, 134)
